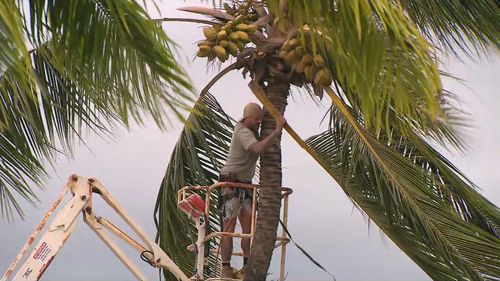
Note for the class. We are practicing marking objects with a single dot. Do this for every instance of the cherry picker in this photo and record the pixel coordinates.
(190, 201)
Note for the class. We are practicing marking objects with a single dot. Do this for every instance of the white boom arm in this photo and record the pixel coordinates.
(63, 225)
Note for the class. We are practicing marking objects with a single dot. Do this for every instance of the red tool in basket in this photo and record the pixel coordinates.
(193, 206)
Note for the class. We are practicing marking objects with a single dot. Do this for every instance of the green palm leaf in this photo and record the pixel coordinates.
(95, 65)
(375, 52)
(416, 197)
(18, 165)
(118, 47)
(460, 192)
(196, 160)
(462, 24)
(13, 50)
(380, 54)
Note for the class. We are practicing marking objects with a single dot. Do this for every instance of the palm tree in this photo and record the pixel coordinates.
(377, 62)
(67, 66)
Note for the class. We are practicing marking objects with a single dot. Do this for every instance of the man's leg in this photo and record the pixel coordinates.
(246, 225)
(226, 243)
(226, 247)
(231, 207)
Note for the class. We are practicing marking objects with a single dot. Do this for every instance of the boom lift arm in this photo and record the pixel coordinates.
(54, 238)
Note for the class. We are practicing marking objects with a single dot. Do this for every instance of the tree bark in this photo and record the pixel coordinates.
(270, 194)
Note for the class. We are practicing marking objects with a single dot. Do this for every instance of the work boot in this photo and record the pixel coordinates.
(227, 272)
(240, 274)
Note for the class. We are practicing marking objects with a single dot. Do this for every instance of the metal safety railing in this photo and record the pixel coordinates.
(189, 199)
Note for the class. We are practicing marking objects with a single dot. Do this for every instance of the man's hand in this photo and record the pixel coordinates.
(261, 146)
(280, 122)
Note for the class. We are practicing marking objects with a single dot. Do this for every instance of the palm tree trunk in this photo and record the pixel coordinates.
(270, 194)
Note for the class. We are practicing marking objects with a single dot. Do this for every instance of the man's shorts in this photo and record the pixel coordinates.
(234, 199)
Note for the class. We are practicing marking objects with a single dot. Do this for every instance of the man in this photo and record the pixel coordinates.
(240, 166)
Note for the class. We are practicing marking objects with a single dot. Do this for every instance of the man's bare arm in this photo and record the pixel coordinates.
(261, 146)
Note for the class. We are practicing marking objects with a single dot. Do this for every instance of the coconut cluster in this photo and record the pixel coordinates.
(307, 67)
(229, 38)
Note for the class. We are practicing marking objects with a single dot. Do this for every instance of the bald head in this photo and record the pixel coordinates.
(251, 110)
(252, 116)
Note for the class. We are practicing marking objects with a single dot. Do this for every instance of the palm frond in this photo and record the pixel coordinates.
(207, 12)
(196, 160)
(13, 50)
(425, 227)
(95, 65)
(17, 165)
(461, 192)
(416, 198)
(375, 52)
(457, 24)
(120, 48)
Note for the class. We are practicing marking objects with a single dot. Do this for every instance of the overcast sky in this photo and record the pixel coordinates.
(322, 219)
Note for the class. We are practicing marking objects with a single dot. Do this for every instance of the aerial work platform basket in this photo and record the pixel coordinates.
(199, 202)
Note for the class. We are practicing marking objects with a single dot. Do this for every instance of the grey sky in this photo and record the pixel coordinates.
(322, 219)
